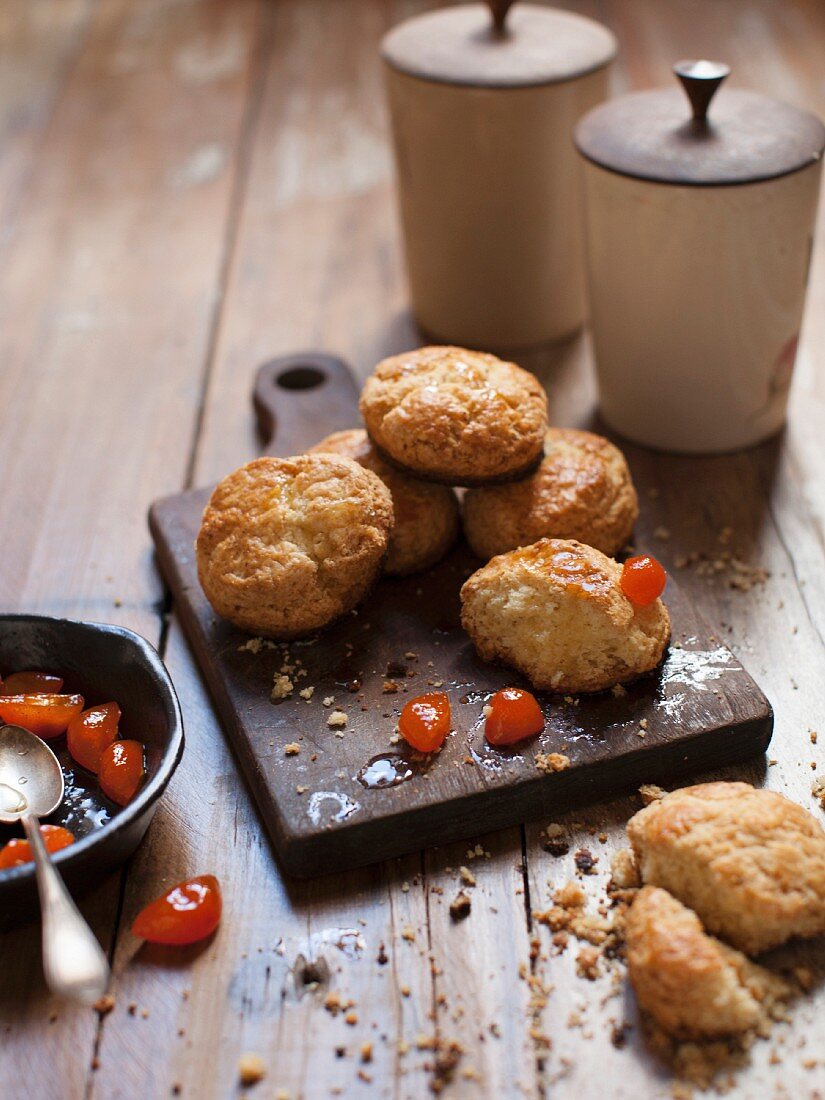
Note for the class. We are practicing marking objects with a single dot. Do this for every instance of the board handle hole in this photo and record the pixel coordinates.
(300, 378)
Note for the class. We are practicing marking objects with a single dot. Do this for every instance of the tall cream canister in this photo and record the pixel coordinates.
(483, 106)
(699, 236)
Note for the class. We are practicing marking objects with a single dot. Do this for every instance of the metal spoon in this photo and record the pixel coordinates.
(31, 787)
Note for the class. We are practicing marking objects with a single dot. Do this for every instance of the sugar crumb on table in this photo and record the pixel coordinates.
(549, 762)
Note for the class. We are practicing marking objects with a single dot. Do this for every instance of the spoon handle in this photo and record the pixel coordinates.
(73, 962)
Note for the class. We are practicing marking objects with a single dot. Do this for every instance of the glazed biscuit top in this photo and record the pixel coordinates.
(441, 409)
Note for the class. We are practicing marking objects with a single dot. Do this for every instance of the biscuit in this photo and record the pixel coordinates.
(426, 515)
(455, 416)
(582, 490)
(555, 611)
(693, 986)
(750, 862)
(286, 545)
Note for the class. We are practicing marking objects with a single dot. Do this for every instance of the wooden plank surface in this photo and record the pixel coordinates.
(198, 187)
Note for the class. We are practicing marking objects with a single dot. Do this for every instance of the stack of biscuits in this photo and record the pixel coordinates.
(289, 545)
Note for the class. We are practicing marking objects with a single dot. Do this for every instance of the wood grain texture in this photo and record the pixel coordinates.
(311, 259)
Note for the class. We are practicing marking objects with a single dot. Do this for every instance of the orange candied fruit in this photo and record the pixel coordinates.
(121, 770)
(425, 721)
(512, 715)
(17, 852)
(91, 732)
(47, 715)
(189, 912)
(643, 580)
(31, 683)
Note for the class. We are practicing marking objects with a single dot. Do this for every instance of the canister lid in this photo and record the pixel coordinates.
(660, 136)
(481, 45)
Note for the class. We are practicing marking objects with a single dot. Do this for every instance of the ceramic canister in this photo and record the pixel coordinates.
(699, 227)
(482, 112)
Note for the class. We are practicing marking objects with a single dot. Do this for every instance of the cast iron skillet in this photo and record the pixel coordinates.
(103, 663)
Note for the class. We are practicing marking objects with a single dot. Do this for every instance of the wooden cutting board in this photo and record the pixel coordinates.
(322, 806)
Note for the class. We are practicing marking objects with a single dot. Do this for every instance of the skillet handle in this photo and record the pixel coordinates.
(301, 398)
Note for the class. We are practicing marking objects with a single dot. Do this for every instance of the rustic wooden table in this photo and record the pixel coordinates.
(187, 189)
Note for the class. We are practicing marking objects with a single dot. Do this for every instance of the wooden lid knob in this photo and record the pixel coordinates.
(499, 9)
(701, 79)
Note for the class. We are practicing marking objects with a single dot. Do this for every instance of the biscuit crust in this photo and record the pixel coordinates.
(750, 862)
(582, 490)
(555, 611)
(426, 515)
(286, 545)
(455, 416)
(692, 985)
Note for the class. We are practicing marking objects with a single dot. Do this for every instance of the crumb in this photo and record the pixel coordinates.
(282, 687)
(351, 1018)
(467, 876)
(818, 790)
(390, 687)
(328, 700)
(408, 933)
(307, 693)
(251, 1069)
(104, 1005)
(460, 906)
(292, 749)
(337, 720)
(301, 790)
(618, 691)
(587, 963)
(255, 645)
(585, 861)
(549, 762)
(812, 734)
(651, 793)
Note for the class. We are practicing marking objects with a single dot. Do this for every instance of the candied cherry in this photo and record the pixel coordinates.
(513, 714)
(191, 911)
(46, 715)
(425, 721)
(31, 683)
(90, 733)
(121, 770)
(55, 838)
(643, 580)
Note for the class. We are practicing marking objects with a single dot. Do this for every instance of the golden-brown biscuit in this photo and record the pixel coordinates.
(750, 862)
(582, 490)
(289, 544)
(555, 611)
(455, 416)
(426, 515)
(692, 985)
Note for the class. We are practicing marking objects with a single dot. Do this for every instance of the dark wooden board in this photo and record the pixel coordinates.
(701, 708)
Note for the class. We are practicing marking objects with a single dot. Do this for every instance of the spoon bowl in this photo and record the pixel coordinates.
(31, 779)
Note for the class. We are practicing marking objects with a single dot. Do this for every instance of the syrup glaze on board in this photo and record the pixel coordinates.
(700, 709)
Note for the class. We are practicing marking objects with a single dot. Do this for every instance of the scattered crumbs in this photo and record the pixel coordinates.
(351, 1018)
(301, 790)
(104, 1005)
(307, 693)
(408, 933)
(366, 1052)
(255, 645)
(651, 793)
(460, 906)
(405, 991)
(292, 749)
(390, 687)
(282, 687)
(337, 720)
(487, 710)
(405, 888)
(549, 762)
(328, 700)
(618, 691)
(410, 656)
(818, 790)
(556, 842)
(251, 1069)
(643, 723)
(812, 734)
